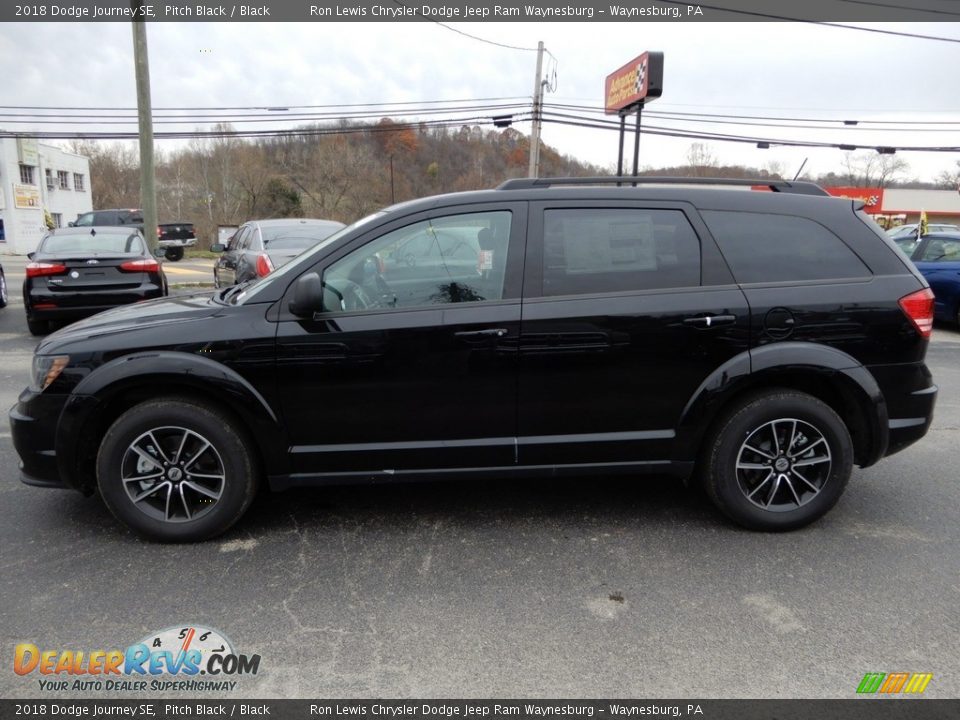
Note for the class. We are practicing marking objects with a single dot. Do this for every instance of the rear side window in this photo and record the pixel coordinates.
(760, 247)
(105, 218)
(600, 250)
(941, 250)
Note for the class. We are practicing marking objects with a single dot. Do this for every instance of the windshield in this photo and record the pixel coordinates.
(296, 238)
(256, 287)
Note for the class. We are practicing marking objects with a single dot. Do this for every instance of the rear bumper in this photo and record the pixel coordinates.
(177, 243)
(79, 305)
(910, 396)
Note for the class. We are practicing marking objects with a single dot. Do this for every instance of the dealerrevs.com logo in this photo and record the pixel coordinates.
(172, 659)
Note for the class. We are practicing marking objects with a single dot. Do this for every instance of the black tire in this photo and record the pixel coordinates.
(174, 254)
(164, 513)
(38, 327)
(3, 290)
(746, 463)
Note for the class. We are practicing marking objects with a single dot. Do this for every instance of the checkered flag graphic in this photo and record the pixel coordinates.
(641, 71)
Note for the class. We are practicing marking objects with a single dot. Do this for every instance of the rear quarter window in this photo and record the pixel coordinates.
(761, 247)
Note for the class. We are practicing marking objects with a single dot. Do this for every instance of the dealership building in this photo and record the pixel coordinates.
(35, 178)
(899, 206)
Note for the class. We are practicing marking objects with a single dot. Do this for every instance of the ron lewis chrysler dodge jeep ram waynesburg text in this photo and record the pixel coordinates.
(760, 342)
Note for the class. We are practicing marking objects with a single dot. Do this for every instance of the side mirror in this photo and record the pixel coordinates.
(218, 247)
(160, 252)
(30, 255)
(307, 295)
(71, 224)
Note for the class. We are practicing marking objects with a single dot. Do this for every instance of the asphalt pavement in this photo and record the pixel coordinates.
(630, 587)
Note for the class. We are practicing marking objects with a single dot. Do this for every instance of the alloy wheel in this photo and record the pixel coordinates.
(173, 474)
(783, 464)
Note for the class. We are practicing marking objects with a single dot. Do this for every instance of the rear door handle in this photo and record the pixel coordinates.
(710, 321)
(478, 334)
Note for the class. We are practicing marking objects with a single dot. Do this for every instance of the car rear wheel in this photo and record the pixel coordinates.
(174, 254)
(38, 327)
(3, 290)
(175, 470)
(778, 461)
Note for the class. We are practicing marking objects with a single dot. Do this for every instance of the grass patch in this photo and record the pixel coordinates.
(201, 254)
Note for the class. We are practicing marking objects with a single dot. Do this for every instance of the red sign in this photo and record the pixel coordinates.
(640, 79)
(872, 197)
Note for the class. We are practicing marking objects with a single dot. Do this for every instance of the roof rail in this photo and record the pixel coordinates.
(785, 186)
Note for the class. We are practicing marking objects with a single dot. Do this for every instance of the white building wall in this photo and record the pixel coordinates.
(24, 227)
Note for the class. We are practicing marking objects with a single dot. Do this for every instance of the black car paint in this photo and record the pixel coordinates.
(99, 283)
(333, 397)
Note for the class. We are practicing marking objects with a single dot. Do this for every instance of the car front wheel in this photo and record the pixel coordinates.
(175, 470)
(778, 461)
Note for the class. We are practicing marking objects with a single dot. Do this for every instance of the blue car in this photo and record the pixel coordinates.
(937, 256)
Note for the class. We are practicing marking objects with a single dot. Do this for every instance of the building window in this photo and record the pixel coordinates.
(57, 219)
(78, 181)
(63, 177)
(48, 173)
(26, 174)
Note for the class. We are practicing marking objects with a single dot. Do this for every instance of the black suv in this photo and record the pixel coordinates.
(762, 342)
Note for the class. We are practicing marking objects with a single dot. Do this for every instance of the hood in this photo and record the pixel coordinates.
(138, 316)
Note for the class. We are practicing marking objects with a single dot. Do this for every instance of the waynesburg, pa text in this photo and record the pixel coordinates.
(429, 12)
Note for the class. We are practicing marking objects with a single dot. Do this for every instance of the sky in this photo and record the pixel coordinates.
(763, 69)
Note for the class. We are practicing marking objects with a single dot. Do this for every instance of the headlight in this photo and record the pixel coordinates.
(46, 369)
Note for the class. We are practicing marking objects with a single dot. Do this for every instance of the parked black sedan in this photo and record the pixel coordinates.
(261, 246)
(79, 271)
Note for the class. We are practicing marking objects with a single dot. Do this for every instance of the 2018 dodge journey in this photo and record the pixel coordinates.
(762, 343)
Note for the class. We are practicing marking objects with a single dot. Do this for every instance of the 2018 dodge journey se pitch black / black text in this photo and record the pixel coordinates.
(760, 342)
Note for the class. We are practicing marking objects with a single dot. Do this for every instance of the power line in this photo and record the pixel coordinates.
(587, 122)
(473, 37)
(901, 7)
(265, 107)
(769, 16)
(671, 114)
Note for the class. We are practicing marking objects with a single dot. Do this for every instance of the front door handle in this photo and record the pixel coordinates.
(478, 334)
(710, 321)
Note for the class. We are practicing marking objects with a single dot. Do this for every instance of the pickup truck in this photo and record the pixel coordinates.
(174, 237)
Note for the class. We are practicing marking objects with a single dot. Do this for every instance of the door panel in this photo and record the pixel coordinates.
(387, 387)
(604, 376)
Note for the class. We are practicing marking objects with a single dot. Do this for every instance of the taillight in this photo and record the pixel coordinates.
(264, 265)
(145, 265)
(39, 269)
(159, 232)
(918, 307)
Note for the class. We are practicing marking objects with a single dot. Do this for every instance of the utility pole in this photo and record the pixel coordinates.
(534, 170)
(148, 190)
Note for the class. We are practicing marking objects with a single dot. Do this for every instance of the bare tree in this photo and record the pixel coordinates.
(871, 169)
(700, 158)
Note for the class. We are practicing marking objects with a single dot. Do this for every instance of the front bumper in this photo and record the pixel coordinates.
(33, 426)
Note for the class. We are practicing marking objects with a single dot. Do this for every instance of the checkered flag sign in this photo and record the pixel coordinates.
(641, 72)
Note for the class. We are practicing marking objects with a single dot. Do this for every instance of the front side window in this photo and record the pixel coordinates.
(600, 250)
(85, 220)
(762, 247)
(941, 250)
(452, 259)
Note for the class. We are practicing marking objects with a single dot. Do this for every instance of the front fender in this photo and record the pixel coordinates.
(159, 371)
(788, 364)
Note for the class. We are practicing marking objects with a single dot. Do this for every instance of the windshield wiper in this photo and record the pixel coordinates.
(225, 295)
